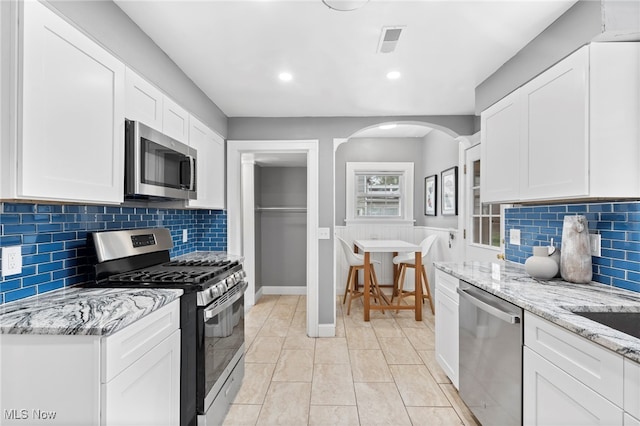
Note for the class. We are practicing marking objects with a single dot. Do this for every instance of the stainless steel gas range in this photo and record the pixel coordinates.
(212, 311)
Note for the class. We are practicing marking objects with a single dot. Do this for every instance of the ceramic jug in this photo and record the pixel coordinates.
(541, 265)
(575, 256)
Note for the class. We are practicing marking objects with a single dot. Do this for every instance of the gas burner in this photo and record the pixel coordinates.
(206, 263)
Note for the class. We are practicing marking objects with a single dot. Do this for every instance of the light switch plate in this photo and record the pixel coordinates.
(514, 237)
(185, 236)
(323, 234)
(11, 260)
(595, 241)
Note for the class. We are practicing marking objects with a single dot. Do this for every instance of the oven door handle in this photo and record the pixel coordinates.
(488, 307)
(215, 310)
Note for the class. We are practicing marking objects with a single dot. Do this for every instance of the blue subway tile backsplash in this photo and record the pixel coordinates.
(617, 223)
(53, 239)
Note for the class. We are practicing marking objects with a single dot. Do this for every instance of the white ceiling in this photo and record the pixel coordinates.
(234, 51)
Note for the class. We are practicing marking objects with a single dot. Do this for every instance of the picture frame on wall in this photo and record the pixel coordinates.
(431, 195)
(449, 191)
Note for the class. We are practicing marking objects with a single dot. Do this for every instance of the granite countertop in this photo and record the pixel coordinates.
(554, 300)
(82, 311)
(210, 256)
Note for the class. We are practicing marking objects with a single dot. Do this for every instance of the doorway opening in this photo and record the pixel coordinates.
(248, 208)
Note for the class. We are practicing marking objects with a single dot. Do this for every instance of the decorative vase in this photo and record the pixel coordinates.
(541, 265)
(575, 257)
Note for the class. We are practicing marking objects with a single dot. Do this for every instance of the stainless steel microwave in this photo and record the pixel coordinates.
(157, 166)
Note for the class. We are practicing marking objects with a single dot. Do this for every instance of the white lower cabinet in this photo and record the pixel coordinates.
(129, 378)
(569, 380)
(447, 346)
(146, 392)
(553, 397)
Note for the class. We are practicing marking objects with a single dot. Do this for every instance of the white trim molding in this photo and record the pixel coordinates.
(240, 213)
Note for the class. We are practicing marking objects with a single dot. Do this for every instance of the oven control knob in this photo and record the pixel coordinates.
(213, 293)
(222, 288)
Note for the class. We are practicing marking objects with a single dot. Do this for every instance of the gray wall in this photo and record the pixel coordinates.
(440, 153)
(283, 233)
(325, 129)
(376, 150)
(114, 30)
(575, 28)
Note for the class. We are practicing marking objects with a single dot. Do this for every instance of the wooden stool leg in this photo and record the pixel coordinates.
(427, 293)
(396, 280)
(376, 287)
(346, 287)
(403, 272)
(350, 285)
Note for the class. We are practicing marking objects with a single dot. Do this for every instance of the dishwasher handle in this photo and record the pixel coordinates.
(488, 307)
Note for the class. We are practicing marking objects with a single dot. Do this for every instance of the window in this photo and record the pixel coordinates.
(485, 221)
(379, 191)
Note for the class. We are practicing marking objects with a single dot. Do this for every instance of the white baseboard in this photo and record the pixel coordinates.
(326, 330)
(284, 290)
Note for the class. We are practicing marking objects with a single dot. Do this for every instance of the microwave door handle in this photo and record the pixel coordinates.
(192, 181)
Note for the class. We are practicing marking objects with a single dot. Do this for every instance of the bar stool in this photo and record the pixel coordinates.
(408, 260)
(356, 263)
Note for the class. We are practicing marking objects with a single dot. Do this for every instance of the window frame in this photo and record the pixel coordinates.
(404, 169)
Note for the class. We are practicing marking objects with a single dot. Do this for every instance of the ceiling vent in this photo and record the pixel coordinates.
(389, 39)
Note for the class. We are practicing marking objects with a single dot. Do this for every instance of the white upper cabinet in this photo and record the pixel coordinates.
(175, 120)
(71, 112)
(569, 133)
(500, 145)
(147, 104)
(143, 101)
(554, 155)
(210, 170)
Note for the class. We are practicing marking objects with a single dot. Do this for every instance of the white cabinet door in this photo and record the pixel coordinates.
(447, 346)
(143, 101)
(175, 120)
(632, 387)
(552, 397)
(72, 112)
(447, 307)
(555, 127)
(500, 147)
(148, 391)
(210, 167)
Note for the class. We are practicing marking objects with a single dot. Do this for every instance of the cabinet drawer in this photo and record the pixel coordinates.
(596, 367)
(632, 388)
(553, 397)
(128, 345)
(447, 284)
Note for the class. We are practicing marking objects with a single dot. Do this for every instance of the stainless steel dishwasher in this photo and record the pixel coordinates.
(491, 340)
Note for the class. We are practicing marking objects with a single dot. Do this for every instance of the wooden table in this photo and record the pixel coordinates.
(386, 246)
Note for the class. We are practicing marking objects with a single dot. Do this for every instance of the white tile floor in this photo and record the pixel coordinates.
(372, 373)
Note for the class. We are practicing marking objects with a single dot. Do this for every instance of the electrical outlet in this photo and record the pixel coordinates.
(185, 236)
(595, 241)
(11, 260)
(514, 237)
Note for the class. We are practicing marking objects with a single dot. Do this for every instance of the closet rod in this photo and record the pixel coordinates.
(281, 209)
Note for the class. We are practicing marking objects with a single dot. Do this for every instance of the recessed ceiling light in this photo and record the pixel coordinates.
(387, 126)
(285, 76)
(345, 5)
(393, 75)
